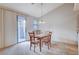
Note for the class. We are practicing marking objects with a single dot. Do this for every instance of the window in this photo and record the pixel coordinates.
(35, 25)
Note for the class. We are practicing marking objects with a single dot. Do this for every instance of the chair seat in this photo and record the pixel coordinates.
(35, 42)
(46, 41)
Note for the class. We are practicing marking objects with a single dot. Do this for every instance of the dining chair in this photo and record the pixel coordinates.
(47, 39)
(50, 35)
(33, 40)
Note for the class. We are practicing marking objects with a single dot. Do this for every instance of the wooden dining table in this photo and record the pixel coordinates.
(40, 38)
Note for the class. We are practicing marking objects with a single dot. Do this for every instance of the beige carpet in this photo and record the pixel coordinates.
(56, 49)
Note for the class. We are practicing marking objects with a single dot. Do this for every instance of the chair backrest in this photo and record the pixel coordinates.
(32, 35)
(50, 34)
(47, 37)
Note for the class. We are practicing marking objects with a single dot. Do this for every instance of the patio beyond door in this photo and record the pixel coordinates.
(21, 29)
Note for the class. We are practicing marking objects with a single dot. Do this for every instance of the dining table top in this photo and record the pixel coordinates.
(41, 35)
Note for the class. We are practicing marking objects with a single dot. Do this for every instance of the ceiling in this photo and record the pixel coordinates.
(33, 9)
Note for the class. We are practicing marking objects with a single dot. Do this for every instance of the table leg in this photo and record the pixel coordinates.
(40, 45)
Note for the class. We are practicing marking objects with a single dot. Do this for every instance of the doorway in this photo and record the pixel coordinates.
(21, 29)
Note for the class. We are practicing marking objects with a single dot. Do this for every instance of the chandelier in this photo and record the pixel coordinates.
(41, 21)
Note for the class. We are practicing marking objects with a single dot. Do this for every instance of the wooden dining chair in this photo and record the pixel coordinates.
(47, 39)
(33, 40)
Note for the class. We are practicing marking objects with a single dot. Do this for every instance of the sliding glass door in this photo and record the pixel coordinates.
(21, 28)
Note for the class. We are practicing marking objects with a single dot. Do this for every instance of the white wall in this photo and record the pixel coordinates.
(78, 22)
(1, 28)
(77, 13)
(10, 24)
(78, 43)
(7, 28)
(62, 22)
(76, 6)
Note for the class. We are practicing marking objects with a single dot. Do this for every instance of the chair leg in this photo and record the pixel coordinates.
(34, 47)
(48, 45)
(30, 46)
